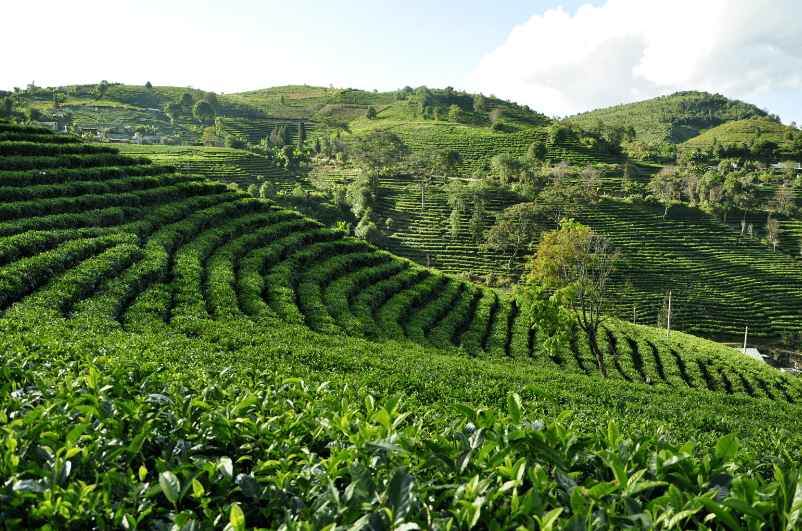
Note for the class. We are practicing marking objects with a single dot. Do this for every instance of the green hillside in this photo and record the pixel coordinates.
(671, 119)
(177, 353)
(747, 132)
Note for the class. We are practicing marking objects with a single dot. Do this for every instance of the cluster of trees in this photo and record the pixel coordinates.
(719, 191)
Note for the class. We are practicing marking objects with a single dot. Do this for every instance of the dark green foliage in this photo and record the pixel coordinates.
(203, 111)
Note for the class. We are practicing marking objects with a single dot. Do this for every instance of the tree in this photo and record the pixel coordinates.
(267, 190)
(479, 103)
(457, 197)
(566, 285)
(203, 111)
(773, 231)
(455, 114)
(589, 179)
(514, 229)
(764, 148)
(370, 114)
(148, 85)
(376, 150)
(287, 155)
(784, 200)
(537, 150)
(423, 166)
(186, 100)
(506, 167)
(666, 185)
(302, 132)
(279, 137)
(366, 229)
(173, 111)
(561, 197)
(479, 190)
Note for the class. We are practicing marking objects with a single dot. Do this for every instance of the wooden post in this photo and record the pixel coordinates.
(668, 326)
(746, 331)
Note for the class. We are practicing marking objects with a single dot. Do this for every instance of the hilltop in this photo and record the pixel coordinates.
(672, 119)
(747, 133)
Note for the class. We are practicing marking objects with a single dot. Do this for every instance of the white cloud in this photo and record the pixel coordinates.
(629, 50)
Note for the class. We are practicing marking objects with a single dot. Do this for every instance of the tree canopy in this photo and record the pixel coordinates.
(514, 229)
(376, 150)
(203, 111)
(566, 285)
(173, 111)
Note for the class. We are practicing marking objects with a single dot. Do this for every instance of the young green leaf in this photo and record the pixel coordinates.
(237, 518)
(170, 486)
(514, 405)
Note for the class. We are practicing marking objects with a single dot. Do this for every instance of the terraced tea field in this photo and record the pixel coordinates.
(477, 145)
(220, 164)
(176, 353)
(137, 233)
(721, 281)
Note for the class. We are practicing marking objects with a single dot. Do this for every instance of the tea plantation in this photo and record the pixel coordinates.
(179, 355)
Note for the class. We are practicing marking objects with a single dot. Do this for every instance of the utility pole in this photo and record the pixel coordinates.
(633, 314)
(668, 327)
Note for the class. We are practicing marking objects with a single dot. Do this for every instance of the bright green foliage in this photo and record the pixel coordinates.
(567, 285)
(455, 114)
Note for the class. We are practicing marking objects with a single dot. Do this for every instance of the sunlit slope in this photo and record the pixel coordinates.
(672, 119)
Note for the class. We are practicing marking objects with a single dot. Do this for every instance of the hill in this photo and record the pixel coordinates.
(177, 353)
(746, 133)
(672, 119)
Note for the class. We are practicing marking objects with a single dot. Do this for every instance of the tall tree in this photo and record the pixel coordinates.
(479, 103)
(172, 110)
(455, 114)
(514, 229)
(773, 231)
(377, 150)
(506, 167)
(457, 197)
(666, 186)
(424, 167)
(203, 111)
(566, 285)
(479, 191)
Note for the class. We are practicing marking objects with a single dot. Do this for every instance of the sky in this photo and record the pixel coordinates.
(558, 57)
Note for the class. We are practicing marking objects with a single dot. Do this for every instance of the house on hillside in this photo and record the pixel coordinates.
(753, 353)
